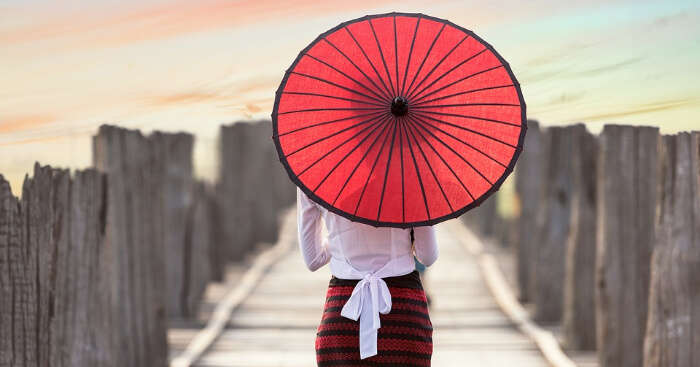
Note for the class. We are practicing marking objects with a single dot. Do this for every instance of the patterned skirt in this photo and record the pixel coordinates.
(405, 335)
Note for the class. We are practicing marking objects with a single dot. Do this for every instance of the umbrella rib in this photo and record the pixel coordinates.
(329, 136)
(403, 188)
(469, 104)
(460, 140)
(410, 53)
(376, 126)
(415, 165)
(368, 60)
(386, 172)
(358, 69)
(427, 163)
(457, 153)
(420, 98)
(381, 53)
(347, 76)
(420, 67)
(326, 122)
(396, 56)
(334, 109)
(436, 66)
(414, 123)
(336, 85)
(374, 165)
(334, 97)
(373, 124)
(358, 163)
(418, 94)
(469, 117)
(420, 113)
(459, 94)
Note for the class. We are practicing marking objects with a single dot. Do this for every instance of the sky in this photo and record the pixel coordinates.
(66, 67)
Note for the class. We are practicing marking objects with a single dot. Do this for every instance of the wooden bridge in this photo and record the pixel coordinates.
(275, 324)
(593, 259)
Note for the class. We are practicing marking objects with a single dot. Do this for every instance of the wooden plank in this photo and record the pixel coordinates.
(673, 328)
(529, 180)
(579, 282)
(553, 219)
(276, 324)
(626, 202)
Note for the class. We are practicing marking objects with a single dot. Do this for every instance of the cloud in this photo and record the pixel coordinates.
(23, 122)
(643, 108)
(101, 26)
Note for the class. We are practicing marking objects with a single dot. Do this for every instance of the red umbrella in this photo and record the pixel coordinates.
(399, 120)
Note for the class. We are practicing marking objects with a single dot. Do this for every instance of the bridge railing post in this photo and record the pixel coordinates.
(579, 285)
(626, 189)
(673, 326)
(529, 178)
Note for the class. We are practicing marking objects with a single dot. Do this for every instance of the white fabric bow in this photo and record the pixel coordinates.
(370, 297)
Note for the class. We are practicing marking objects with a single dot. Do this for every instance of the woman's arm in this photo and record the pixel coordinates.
(310, 242)
(425, 245)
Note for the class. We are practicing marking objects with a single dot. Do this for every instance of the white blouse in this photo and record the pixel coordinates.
(359, 251)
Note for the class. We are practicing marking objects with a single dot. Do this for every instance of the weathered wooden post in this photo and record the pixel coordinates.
(172, 201)
(134, 247)
(54, 305)
(673, 327)
(579, 282)
(529, 179)
(18, 291)
(252, 187)
(626, 201)
(201, 262)
(553, 226)
(237, 157)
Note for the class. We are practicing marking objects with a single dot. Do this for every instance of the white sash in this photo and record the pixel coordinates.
(370, 297)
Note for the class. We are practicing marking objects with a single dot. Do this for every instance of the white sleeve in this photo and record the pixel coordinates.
(309, 225)
(425, 245)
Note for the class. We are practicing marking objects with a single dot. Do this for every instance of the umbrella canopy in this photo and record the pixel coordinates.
(399, 120)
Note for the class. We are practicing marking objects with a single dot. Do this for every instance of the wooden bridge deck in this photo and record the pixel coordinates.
(276, 324)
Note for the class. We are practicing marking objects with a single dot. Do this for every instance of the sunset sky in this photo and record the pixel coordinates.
(68, 66)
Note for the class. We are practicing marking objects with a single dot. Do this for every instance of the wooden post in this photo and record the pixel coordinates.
(172, 199)
(237, 156)
(134, 247)
(673, 327)
(529, 179)
(54, 307)
(200, 264)
(18, 302)
(553, 226)
(579, 283)
(252, 187)
(626, 201)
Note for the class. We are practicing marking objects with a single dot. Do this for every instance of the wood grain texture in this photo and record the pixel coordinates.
(529, 180)
(252, 187)
(673, 327)
(553, 220)
(134, 247)
(172, 201)
(579, 282)
(626, 203)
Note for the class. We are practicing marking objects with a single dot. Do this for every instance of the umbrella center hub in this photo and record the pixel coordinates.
(399, 106)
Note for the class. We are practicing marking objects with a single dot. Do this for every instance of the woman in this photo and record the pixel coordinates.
(374, 284)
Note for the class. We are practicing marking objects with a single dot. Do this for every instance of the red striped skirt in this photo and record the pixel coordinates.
(405, 335)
